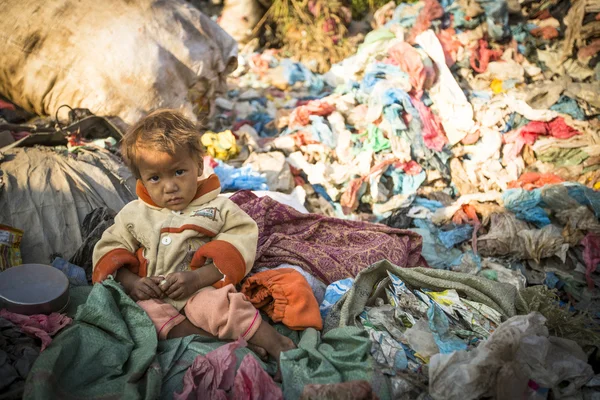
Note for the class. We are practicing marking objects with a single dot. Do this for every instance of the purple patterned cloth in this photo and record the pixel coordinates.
(329, 248)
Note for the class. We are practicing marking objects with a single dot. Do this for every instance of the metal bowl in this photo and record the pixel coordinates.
(34, 289)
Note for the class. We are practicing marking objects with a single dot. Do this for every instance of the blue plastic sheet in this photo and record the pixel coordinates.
(434, 252)
(567, 105)
(440, 328)
(75, 273)
(296, 72)
(456, 236)
(404, 183)
(431, 205)
(403, 17)
(551, 280)
(380, 71)
(260, 121)
(496, 12)
(244, 178)
(320, 190)
(322, 132)
(585, 196)
(393, 115)
(526, 205)
(333, 293)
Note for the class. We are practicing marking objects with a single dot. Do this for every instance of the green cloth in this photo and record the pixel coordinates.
(376, 36)
(376, 141)
(499, 296)
(563, 157)
(340, 355)
(111, 351)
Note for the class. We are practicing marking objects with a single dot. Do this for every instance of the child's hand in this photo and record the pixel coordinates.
(181, 285)
(146, 288)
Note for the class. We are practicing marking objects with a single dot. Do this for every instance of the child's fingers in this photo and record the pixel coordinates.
(177, 294)
(153, 287)
(171, 286)
(142, 293)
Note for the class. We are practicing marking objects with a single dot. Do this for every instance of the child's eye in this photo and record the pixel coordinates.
(153, 179)
(179, 172)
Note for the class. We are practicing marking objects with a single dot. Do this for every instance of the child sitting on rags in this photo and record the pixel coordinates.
(180, 248)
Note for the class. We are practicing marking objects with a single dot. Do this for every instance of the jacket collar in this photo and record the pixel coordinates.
(208, 189)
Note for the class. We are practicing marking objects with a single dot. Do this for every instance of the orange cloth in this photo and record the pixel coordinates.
(534, 180)
(285, 295)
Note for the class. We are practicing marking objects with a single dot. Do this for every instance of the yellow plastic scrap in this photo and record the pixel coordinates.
(496, 86)
(221, 145)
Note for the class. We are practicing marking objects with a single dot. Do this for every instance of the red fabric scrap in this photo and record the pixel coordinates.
(545, 14)
(430, 11)
(528, 134)
(467, 214)
(410, 168)
(236, 127)
(433, 132)
(409, 60)
(588, 51)
(450, 44)
(534, 180)
(213, 376)
(300, 115)
(4, 105)
(591, 256)
(302, 138)
(546, 32)
(471, 138)
(349, 199)
(481, 56)
(38, 325)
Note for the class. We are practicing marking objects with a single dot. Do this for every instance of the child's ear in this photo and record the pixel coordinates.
(201, 166)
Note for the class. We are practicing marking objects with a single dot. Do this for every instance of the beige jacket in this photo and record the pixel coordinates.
(152, 241)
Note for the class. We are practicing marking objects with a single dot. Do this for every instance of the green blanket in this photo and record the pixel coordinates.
(111, 352)
(341, 355)
(499, 296)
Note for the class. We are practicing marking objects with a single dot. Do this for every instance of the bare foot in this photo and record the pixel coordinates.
(268, 338)
(259, 351)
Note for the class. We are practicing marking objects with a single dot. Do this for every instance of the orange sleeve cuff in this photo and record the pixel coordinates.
(226, 258)
(285, 295)
(112, 261)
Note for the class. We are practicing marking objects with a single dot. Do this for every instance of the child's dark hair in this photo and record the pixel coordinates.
(162, 130)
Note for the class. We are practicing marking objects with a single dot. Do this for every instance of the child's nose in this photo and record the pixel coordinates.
(170, 187)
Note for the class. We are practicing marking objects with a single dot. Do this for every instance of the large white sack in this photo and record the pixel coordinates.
(119, 58)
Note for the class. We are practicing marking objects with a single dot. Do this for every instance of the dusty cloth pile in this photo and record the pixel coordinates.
(473, 129)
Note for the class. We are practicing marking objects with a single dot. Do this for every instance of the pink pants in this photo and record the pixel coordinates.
(223, 313)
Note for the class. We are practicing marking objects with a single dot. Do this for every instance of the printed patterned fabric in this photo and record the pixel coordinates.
(329, 248)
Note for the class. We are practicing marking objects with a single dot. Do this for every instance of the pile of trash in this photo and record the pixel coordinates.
(449, 121)
(474, 124)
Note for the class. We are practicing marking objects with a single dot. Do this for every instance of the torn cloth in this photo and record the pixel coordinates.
(214, 377)
(528, 134)
(329, 248)
(39, 325)
(591, 256)
(115, 337)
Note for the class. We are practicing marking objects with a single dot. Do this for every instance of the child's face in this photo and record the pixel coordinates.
(171, 181)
